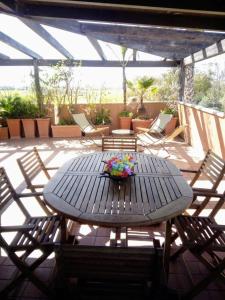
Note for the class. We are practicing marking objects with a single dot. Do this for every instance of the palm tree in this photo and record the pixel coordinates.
(139, 87)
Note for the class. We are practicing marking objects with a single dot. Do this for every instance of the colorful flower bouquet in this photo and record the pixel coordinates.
(120, 167)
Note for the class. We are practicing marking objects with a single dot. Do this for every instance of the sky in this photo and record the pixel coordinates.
(81, 49)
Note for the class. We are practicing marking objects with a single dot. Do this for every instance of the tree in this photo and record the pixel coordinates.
(139, 87)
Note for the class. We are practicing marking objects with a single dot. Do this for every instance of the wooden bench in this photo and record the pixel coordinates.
(119, 143)
(128, 267)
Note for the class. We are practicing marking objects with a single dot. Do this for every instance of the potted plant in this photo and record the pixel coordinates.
(139, 88)
(66, 129)
(173, 122)
(142, 121)
(30, 111)
(11, 110)
(125, 119)
(103, 120)
(3, 126)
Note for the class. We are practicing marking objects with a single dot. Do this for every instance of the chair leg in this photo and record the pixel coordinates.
(181, 250)
(27, 271)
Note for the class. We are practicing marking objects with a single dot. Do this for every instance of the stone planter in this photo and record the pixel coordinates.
(43, 126)
(171, 125)
(29, 128)
(65, 131)
(14, 128)
(141, 123)
(125, 122)
(4, 134)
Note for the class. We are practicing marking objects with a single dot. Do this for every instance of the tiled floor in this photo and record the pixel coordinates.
(56, 152)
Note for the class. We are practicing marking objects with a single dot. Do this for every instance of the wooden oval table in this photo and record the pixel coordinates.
(156, 193)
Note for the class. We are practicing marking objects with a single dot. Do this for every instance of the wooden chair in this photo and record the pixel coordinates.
(32, 165)
(130, 269)
(35, 233)
(119, 143)
(204, 239)
(212, 168)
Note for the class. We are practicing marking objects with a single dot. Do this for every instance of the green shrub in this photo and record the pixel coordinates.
(102, 117)
(66, 122)
(17, 107)
(125, 113)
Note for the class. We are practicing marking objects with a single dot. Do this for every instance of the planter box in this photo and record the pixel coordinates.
(125, 122)
(66, 131)
(107, 128)
(4, 134)
(14, 128)
(29, 128)
(43, 126)
(141, 123)
(171, 125)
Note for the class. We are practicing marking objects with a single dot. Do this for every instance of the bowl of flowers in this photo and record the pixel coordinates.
(119, 168)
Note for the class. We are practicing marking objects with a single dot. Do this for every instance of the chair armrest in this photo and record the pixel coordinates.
(189, 171)
(29, 194)
(142, 129)
(218, 227)
(38, 186)
(206, 192)
(16, 228)
(51, 168)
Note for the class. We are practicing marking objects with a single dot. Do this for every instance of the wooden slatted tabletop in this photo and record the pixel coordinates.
(156, 193)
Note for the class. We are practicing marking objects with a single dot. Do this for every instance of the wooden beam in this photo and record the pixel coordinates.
(11, 42)
(3, 56)
(164, 42)
(171, 15)
(97, 47)
(203, 54)
(88, 63)
(47, 37)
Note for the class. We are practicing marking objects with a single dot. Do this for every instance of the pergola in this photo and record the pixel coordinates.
(180, 33)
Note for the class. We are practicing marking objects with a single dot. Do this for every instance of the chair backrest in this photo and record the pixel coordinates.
(109, 263)
(83, 123)
(31, 165)
(213, 168)
(160, 123)
(119, 143)
(177, 131)
(8, 194)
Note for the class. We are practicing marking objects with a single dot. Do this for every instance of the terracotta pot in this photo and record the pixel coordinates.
(4, 134)
(43, 127)
(125, 122)
(141, 123)
(29, 128)
(14, 128)
(171, 125)
(65, 131)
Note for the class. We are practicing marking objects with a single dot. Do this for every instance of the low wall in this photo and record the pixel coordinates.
(206, 128)
(153, 109)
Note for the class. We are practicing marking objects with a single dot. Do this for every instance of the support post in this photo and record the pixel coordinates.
(189, 83)
(38, 90)
(181, 82)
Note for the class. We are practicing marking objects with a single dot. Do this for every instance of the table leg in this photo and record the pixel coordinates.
(63, 230)
(167, 245)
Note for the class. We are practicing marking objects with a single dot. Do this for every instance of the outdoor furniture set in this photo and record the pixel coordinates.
(157, 192)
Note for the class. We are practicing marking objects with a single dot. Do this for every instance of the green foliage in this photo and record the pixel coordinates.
(18, 107)
(125, 113)
(60, 85)
(102, 117)
(170, 111)
(66, 122)
(168, 87)
(142, 117)
(140, 86)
